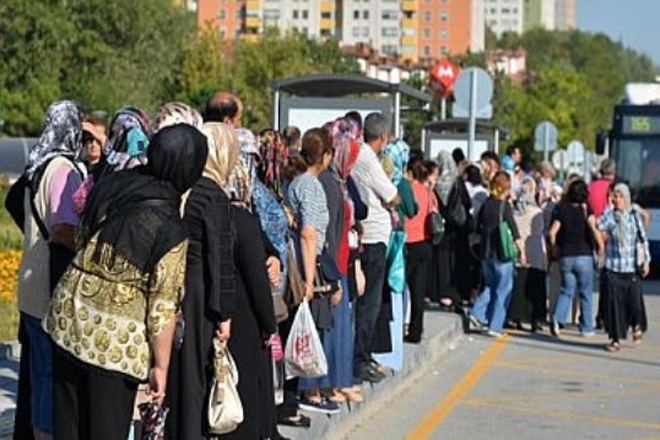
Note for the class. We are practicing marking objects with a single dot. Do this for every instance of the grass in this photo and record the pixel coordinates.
(11, 238)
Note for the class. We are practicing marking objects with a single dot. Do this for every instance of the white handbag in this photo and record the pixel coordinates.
(225, 408)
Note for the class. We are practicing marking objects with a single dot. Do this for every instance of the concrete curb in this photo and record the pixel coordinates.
(444, 330)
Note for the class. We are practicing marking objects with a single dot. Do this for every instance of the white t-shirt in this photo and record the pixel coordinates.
(375, 189)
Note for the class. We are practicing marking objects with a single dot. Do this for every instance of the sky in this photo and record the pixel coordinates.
(634, 22)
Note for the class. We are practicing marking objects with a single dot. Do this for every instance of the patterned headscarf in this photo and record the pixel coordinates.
(241, 181)
(398, 152)
(621, 217)
(61, 136)
(448, 175)
(128, 139)
(274, 158)
(223, 152)
(526, 196)
(176, 113)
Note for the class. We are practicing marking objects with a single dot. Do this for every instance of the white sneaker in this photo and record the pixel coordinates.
(494, 334)
(587, 334)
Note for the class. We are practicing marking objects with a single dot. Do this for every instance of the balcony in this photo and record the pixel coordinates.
(327, 6)
(409, 23)
(327, 23)
(408, 40)
(409, 5)
(252, 22)
(253, 5)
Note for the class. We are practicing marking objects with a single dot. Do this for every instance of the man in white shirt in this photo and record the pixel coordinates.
(380, 195)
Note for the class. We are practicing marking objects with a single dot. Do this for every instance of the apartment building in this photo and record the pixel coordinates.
(521, 15)
(504, 16)
(565, 14)
(411, 29)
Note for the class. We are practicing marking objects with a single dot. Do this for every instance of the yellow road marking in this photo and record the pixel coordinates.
(609, 420)
(569, 373)
(460, 390)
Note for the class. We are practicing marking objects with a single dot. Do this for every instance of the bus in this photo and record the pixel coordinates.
(633, 142)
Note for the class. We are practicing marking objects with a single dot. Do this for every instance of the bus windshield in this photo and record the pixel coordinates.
(638, 164)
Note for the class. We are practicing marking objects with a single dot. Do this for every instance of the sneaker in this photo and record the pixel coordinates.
(493, 333)
(475, 324)
(321, 405)
(590, 334)
(554, 328)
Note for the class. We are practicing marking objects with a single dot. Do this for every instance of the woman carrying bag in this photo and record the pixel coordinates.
(500, 241)
(627, 260)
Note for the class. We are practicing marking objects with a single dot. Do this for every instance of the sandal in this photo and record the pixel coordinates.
(297, 421)
(637, 336)
(613, 347)
(335, 396)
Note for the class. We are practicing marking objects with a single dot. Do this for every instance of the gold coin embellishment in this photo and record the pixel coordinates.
(132, 327)
(98, 319)
(111, 324)
(85, 343)
(88, 329)
(101, 340)
(68, 308)
(77, 350)
(122, 336)
(102, 359)
(131, 351)
(83, 314)
(115, 355)
(138, 339)
(61, 323)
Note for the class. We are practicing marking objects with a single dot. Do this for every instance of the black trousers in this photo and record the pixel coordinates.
(23, 416)
(367, 306)
(625, 304)
(418, 261)
(90, 404)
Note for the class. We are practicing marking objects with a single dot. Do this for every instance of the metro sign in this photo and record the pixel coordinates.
(443, 76)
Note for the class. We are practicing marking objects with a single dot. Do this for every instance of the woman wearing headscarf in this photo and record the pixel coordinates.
(253, 324)
(112, 316)
(125, 148)
(627, 258)
(210, 298)
(53, 176)
(173, 113)
(388, 340)
(491, 305)
(528, 299)
(447, 287)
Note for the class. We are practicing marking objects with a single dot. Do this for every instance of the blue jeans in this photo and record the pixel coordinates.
(41, 374)
(491, 305)
(578, 270)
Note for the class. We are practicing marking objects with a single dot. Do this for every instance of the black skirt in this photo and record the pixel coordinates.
(529, 298)
(625, 304)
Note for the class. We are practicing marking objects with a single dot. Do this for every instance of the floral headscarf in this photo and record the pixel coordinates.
(128, 139)
(61, 136)
(527, 196)
(241, 180)
(176, 113)
(398, 152)
(223, 152)
(448, 175)
(274, 155)
(621, 217)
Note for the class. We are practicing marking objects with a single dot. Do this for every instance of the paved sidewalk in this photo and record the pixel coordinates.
(442, 331)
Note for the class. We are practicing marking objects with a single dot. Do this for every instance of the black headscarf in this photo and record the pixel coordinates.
(136, 212)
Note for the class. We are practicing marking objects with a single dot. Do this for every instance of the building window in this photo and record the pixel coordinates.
(390, 49)
(326, 15)
(305, 14)
(427, 33)
(295, 14)
(365, 32)
(240, 14)
(365, 15)
(390, 15)
(325, 32)
(305, 31)
(389, 32)
(443, 34)
(427, 16)
(444, 51)
(356, 15)
(444, 16)
(237, 32)
(427, 51)
(221, 15)
(356, 32)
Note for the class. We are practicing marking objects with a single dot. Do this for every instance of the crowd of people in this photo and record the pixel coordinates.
(151, 242)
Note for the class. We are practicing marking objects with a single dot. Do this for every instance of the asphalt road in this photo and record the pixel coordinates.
(534, 387)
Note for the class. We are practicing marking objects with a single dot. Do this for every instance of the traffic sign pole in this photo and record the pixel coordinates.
(473, 112)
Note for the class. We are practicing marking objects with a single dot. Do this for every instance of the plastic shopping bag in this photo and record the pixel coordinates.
(304, 354)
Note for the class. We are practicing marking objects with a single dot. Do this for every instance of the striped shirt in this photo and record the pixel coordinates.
(308, 203)
(620, 257)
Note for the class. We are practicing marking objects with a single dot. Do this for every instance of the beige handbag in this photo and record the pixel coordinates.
(225, 408)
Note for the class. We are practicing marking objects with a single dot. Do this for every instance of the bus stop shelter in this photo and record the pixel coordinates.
(449, 134)
(309, 101)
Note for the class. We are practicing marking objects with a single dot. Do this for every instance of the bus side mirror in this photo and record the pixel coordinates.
(601, 142)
